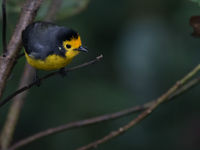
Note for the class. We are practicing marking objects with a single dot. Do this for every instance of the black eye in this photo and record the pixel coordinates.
(68, 46)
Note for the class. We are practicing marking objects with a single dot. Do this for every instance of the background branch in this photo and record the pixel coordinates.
(4, 43)
(145, 113)
(78, 124)
(13, 114)
(102, 118)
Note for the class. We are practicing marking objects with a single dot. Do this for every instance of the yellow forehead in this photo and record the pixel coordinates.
(74, 42)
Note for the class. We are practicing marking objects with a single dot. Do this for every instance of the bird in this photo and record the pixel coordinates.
(48, 46)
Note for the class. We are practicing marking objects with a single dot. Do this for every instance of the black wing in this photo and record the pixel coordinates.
(40, 40)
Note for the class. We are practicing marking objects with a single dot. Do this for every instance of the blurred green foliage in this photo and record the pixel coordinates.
(197, 1)
(67, 9)
(146, 46)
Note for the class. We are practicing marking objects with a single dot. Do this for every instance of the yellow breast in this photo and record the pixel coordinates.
(51, 62)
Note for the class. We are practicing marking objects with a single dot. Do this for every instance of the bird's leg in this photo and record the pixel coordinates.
(37, 79)
(62, 72)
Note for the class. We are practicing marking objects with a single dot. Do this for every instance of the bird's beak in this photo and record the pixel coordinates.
(82, 49)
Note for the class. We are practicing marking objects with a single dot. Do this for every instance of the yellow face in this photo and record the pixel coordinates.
(72, 46)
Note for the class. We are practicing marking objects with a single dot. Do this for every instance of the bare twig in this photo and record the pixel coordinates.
(6, 63)
(191, 84)
(145, 113)
(4, 43)
(98, 58)
(8, 129)
(77, 124)
(99, 119)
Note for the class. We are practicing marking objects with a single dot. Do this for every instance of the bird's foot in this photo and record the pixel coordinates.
(62, 72)
(37, 80)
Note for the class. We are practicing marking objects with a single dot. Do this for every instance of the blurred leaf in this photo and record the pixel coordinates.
(43, 9)
(196, 1)
(68, 8)
(72, 7)
(195, 23)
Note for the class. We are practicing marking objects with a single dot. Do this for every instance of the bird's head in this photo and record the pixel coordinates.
(71, 42)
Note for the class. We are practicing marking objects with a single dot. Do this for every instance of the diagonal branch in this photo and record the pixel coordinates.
(99, 119)
(4, 43)
(145, 113)
(18, 101)
(77, 124)
(7, 99)
(14, 110)
(6, 63)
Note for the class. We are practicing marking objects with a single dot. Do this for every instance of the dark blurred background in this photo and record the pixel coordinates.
(147, 46)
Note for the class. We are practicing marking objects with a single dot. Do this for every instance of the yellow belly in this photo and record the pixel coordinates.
(52, 62)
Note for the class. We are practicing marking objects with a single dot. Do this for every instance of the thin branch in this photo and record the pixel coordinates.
(191, 84)
(4, 43)
(7, 99)
(14, 46)
(99, 119)
(145, 113)
(77, 124)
